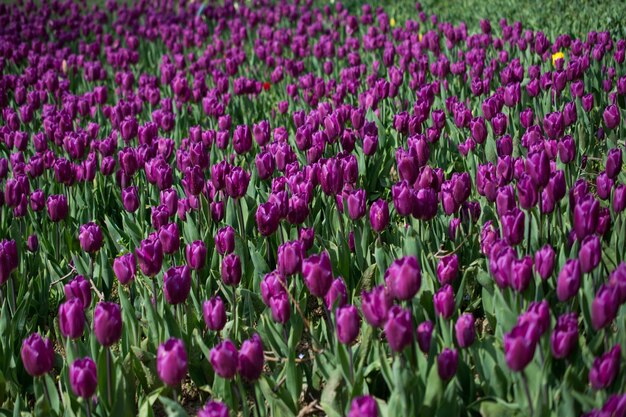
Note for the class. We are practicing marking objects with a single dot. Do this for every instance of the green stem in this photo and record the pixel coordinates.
(234, 307)
(530, 401)
(109, 376)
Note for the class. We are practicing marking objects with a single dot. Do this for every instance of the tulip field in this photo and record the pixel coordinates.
(302, 208)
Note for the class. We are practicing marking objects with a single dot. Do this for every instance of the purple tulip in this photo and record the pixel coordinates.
(107, 323)
(251, 358)
(521, 273)
(130, 199)
(356, 204)
(225, 240)
(90, 237)
(605, 368)
(404, 278)
(214, 313)
(424, 335)
(79, 288)
(564, 337)
(448, 269)
(317, 274)
(519, 345)
(447, 363)
(196, 253)
(444, 301)
(611, 116)
(604, 306)
(37, 355)
(281, 310)
(399, 328)
(364, 406)
(84, 377)
(513, 226)
(568, 281)
(150, 256)
(225, 359)
(338, 293)
(585, 214)
(614, 163)
(267, 218)
(177, 284)
(290, 256)
(379, 215)
(590, 253)
(237, 182)
(375, 305)
(213, 409)
(464, 330)
(348, 324)
(171, 362)
(231, 269)
(169, 236)
(125, 267)
(544, 261)
(72, 318)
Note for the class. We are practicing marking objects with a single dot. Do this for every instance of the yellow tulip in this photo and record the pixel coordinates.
(556, 57)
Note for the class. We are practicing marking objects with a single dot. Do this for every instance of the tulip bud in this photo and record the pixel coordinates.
(544, 261)
(447, 269)
(590, 253)
(225, 240)
(424, 335)
(251, 358)
(519, 345)
(231, 269)
(84, 377)
(568, 281)
(317, 273)
(379, 215)
(464, 329)
(404, 278)
(169, 236)
(290, 258)
(214, 409)
(225, 359)
(611, 116)
(364, 406)
(125, 267)
(605, 368)
(447, 363)
(444, 301)
(399, 328)
(172, 362)
(150, 256)
(564, 338)
(267, 218)
(177, 284)
(604, 306)
(90, 237)
(130, 199)
(281, 310)
(521, 273)
(348, 323)
(72, 318)
(37, 355)
(214, 313)
(107, 323)
(79, 288)
(513, 226)
(375, 305)
(196, 253)
(338, 293)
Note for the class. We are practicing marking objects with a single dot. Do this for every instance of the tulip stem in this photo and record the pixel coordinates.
(175, 394)
(45, 390)
(242, 229)
(154, 291)
(234, 306)
(87, 408)
(12, 303)
(109, 382)
(351, 364)
(530, 402)
(330, 326)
